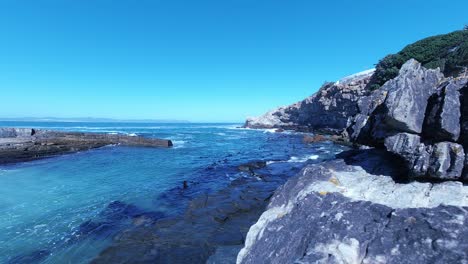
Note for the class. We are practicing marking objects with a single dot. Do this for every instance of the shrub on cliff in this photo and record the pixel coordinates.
(448, 51)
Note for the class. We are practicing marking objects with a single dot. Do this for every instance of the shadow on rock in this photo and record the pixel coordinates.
(377, 162)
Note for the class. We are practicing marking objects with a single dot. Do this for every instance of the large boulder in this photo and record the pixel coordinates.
(421, 117)
(446, 161)
(407, 97)
(342, 212)
(409, 147)
(443, 113)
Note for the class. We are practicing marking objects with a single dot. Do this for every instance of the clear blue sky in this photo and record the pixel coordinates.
(195, 60)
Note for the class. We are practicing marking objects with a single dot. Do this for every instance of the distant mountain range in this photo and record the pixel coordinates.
(90, 120)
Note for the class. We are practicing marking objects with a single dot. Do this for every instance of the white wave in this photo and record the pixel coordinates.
(271, 130)
(132, 135)
(221, 134)
(178, 144)
(303, 159)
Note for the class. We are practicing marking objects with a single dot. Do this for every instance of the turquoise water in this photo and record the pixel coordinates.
(66, 209)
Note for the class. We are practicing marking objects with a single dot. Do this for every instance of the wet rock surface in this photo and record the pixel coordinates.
(355, 210)
(24, 144)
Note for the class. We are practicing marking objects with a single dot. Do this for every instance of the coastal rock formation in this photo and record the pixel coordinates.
(25, 144)
(419, 116)
(354, 210)
(327, 110)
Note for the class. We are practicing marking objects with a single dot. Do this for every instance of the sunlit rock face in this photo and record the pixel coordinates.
(419, 116)
(354, 210)
(327, 110)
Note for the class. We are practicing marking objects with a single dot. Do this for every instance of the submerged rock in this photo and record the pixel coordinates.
(313, 139)
(342, 211)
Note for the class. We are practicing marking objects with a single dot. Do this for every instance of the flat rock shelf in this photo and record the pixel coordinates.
(26, 144)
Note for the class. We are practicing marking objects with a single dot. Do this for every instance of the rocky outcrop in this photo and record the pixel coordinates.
(419, 116)
(352, 210)
(327, 110)
(25, 144)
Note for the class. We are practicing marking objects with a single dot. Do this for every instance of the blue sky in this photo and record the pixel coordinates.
(195, 60)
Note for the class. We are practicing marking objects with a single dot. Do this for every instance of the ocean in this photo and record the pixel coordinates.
(56, 210)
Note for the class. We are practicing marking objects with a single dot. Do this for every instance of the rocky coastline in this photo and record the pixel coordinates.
(27, 144)
(399, 197)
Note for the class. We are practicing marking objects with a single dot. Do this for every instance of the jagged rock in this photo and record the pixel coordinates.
(446, 161)
(407, 97)
(342, 212)
(409, 147)
(328, 110)
(443, 113)
(360, 128)
(417, 117)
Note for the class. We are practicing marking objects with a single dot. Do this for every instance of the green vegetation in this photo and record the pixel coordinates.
(449, 52)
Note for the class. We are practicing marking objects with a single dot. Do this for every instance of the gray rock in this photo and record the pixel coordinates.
(409, 147)
(443, 113)
(7, 132)
(361, 125)
(327, 110)
(464, 115)
(446, 161)
(340, 212)
(26, 144)
(408, 95)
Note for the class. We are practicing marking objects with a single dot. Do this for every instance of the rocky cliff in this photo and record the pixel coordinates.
(327, 110)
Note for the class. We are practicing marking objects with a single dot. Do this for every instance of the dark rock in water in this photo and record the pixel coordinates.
(341, 212)
(408, 95)
(251, 166)
(33, 257)
(113, 217)
(447, 161)
(21, 144)
(212, 229)
(443, 114)
(313, 139)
